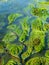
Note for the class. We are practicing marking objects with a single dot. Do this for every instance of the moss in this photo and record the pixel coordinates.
(12, 17)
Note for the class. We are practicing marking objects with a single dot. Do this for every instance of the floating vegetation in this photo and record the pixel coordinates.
(12, 62)
(15, 29)
(12, 17)
(24, 36)
(37, 24)
(39, 12)
(14, 49)
(47, 53)
(9, 37)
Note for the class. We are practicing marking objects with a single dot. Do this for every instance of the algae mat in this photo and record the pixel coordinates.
(24, 32)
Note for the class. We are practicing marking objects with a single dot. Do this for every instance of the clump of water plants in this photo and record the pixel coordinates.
(37, 24)
(25, 29)
(13, 17)
(46, 26)
(28, 52)
(47, 61)
(1, 49)
(12, 62)
(24, 42)
(48, 39)
(34, 61)
(15, 29)
(38, 40)
(47, 53)
(14, 49)
(9, 37)
(39, 11)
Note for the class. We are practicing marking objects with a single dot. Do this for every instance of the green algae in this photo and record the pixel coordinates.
(15, 29)
(28, 41)
(12, 62)
(1, 49)
(37, 24)
(22, 38)
(47, 53)
(48, 39)
(12, 17)
(14, 49)
(47, 61)
(38, 35)
(27, 53)
(39, 12)
(46, 26)
(34, 61)
(25, 29)
(9, 37)
(38, 61)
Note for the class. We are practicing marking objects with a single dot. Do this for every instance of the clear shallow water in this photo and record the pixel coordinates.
(16, 5)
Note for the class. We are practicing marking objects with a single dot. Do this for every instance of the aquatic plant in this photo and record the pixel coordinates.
(47, 61)
(22, 38)
(48, 39)
(12, 17)
(37, 24)
(42, 60)
(15, 29)
(14, 49)
(24, 43)
(47, 53)
(9, 37)
(28, 52)
(38, 40)
(25, 25)
(25, 29)
(39, 12)
(12, 62)
(1, 49)
(34, 61)
(46, 26)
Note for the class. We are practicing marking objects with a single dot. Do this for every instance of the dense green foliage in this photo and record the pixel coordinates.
(25, 42)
